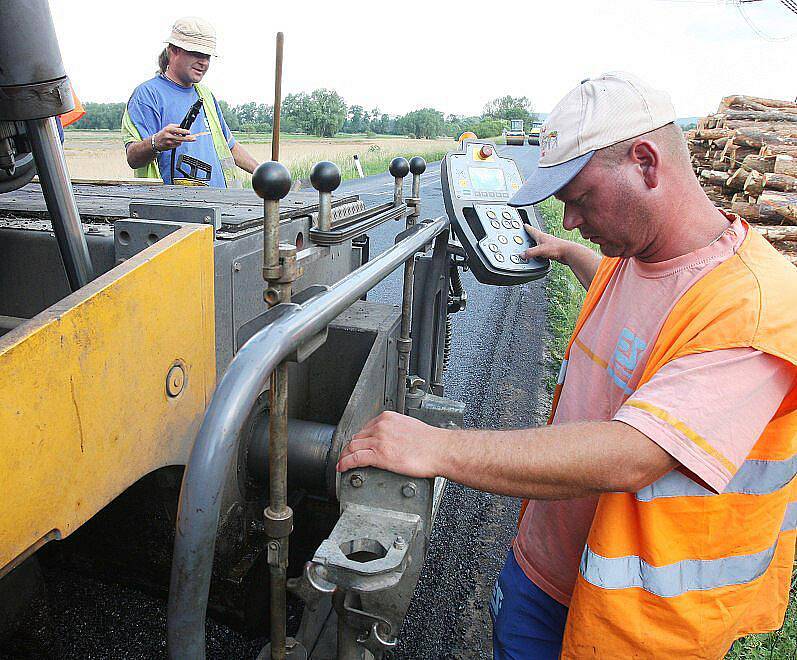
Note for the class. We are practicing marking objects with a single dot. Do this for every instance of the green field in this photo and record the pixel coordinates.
(565, 296)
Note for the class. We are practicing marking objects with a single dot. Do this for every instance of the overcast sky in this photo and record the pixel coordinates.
(451, 55)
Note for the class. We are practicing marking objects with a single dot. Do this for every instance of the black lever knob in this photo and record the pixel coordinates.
(271, 180)
(399, 167)
(417, 165)
(325, 176)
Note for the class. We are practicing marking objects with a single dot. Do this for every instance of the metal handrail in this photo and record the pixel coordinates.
(217, 441)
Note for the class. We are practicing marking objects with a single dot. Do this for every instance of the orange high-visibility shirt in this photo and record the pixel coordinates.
(684, 572)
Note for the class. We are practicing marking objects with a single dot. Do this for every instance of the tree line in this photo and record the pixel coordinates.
(324, 112)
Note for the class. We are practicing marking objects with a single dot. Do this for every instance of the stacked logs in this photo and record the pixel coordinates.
(745, 156)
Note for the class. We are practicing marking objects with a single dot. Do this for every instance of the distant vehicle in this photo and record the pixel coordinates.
(534, 133)
(515, 135)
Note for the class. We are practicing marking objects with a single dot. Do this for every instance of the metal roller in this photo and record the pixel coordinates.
(308, 452)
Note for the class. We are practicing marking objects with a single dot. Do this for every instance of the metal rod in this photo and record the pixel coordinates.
(398, 191)
(271, 239)
(278, 577)
(404, 343)
(348, 648)
(217, 441)
(278, 435)
(278, 509)
(416, 194)
(275, 135)
(60, 198)
(324, 211)
(278, 517)
(278, 506)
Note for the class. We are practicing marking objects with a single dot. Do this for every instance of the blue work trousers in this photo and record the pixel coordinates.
(527, 623)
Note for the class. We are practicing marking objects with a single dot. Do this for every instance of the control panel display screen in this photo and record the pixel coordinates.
(487, 179)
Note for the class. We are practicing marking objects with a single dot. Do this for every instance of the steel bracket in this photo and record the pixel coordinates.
(368, 549)
(185, 212)
(436, 411)
(306, 349)
(131, 236)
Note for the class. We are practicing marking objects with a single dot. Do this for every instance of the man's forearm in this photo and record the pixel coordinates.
(583, 262)
(555, 462)
(140, 154)
(243, 158)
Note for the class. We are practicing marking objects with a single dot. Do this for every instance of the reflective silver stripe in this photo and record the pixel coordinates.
(790, 521)
(753, 478)
(682, 576)
(673, 579)
(562, 371)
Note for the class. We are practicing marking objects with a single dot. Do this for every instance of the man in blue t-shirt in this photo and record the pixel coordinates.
(203, 154)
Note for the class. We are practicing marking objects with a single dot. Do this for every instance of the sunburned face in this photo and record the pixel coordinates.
(601, 202)
(187, 67)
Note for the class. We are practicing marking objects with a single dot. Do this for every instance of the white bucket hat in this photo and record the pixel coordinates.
(195, 34)
(599, 112)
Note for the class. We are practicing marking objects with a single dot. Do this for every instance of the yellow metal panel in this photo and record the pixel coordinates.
(84, 409)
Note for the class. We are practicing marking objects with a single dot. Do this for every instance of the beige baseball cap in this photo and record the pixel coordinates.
(193, 33)
(599, 112)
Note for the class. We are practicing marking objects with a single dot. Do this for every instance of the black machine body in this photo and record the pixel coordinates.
(477, 186)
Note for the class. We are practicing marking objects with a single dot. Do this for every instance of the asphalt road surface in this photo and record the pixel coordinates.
(497, 369)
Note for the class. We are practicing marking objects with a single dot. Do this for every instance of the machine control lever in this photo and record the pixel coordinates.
(399, 168)
(417, 167)
(325, 177)
(271, 181)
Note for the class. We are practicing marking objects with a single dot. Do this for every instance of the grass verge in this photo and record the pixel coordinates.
(778, 645)
(564, 291)
(565, 296)
(373, 161)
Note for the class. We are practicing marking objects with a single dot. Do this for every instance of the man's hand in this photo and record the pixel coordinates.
(548, 246)
(140, 154)
(582, 260)
(396, 443)
(555, 462)
(172, 136)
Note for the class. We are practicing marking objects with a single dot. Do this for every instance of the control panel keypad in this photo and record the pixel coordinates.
(506, 240)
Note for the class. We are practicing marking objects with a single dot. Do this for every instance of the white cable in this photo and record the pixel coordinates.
(755, 29)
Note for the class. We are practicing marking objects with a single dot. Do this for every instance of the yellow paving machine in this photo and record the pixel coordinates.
(180, 368)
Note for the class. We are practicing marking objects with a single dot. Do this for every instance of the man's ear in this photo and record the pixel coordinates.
(646, 155)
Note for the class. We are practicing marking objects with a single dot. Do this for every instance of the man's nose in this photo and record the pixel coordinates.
(571, 219)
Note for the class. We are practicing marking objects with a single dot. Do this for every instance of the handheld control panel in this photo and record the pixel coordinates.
(477, 184)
